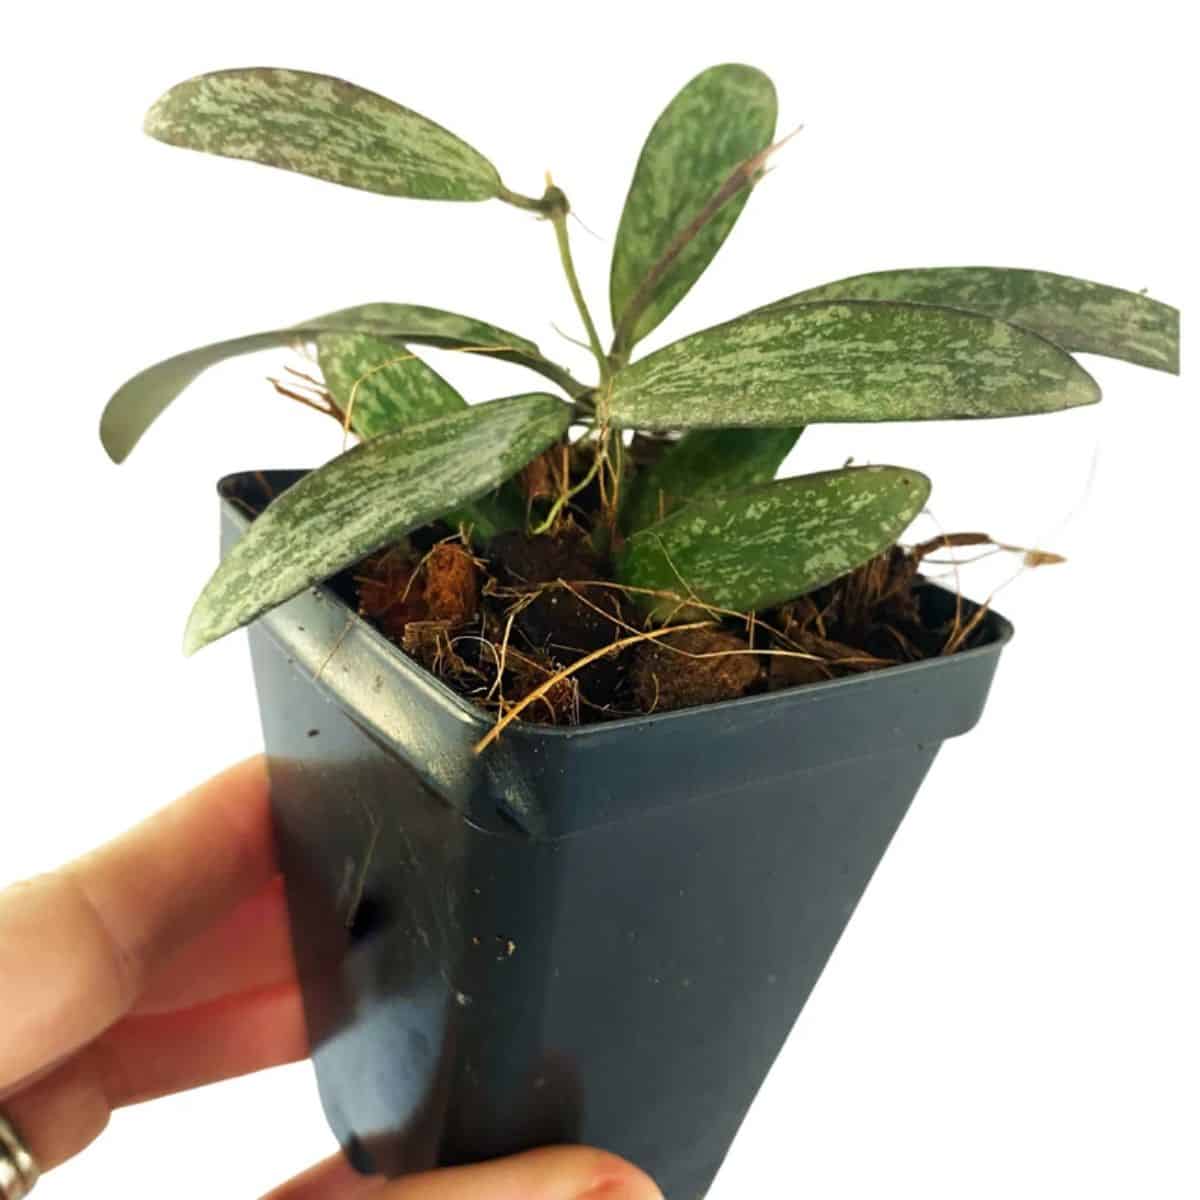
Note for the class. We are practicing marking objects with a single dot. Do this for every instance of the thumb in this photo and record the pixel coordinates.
(559, 1173)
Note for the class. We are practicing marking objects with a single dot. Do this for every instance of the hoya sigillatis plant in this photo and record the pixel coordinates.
(702, 526)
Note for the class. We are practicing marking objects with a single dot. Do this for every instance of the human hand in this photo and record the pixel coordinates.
(162, 962)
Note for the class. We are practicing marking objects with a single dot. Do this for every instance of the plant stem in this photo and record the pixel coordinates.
(554, 207)
(529, 203)
(559, 218)
(579, 392)
(568, 496)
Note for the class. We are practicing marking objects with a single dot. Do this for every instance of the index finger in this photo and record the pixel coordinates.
(76, 945)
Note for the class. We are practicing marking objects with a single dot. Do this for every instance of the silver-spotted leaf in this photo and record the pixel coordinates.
(140, 400)
(852, 360)
(385, 387)
(368, 497)
(324, 127)
(751, 550)
(1076, 314)
(382, 384)
(705, 462)
(721, 119)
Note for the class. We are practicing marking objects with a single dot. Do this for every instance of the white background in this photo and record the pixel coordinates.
(1013, 1010)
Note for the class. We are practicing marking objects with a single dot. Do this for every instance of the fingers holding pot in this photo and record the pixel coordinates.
(559, 1173)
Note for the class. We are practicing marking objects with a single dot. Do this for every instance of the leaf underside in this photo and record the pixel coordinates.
(324, 127)
(854, 360)
(702, 463)
(720, 119)
(367, 498)
(386, 388)
(139, 401)
(1076, 314)
(754, 549)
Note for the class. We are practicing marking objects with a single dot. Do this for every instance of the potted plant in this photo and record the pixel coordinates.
(586, 733)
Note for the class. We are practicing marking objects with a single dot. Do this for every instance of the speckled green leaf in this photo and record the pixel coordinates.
(853, 360)
(757, 548)
(368, 497)
(324, 127)
(703, 463)
(1076, 314)
(723, 117)
(139, 401)
(384, 385)
(386, 388)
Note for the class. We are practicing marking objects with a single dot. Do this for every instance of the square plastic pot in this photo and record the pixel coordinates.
(598, 935)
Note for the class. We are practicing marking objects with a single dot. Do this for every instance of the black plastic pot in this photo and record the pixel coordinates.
(597, 935)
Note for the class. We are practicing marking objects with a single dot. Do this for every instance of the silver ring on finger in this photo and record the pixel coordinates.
(18, 1170)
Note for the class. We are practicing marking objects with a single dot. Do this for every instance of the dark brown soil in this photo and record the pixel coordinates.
(697, 666)
(514, 617)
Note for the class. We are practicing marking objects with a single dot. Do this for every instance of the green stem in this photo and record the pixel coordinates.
(543, 206)
(579, 392)
(554, 207)
(559, 218)
(571, 492)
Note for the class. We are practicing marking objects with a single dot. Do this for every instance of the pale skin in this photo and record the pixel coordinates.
(161, 962)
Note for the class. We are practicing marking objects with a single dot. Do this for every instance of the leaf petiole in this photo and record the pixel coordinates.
(559, 218)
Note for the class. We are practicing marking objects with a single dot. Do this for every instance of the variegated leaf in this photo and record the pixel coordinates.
(385, 388)
(320, 126)
(382, 384)
(751, 550)
(1078, 315)
(139, 401)
(853, 360)
(722, 118)
(368, 497)
(705, 462)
